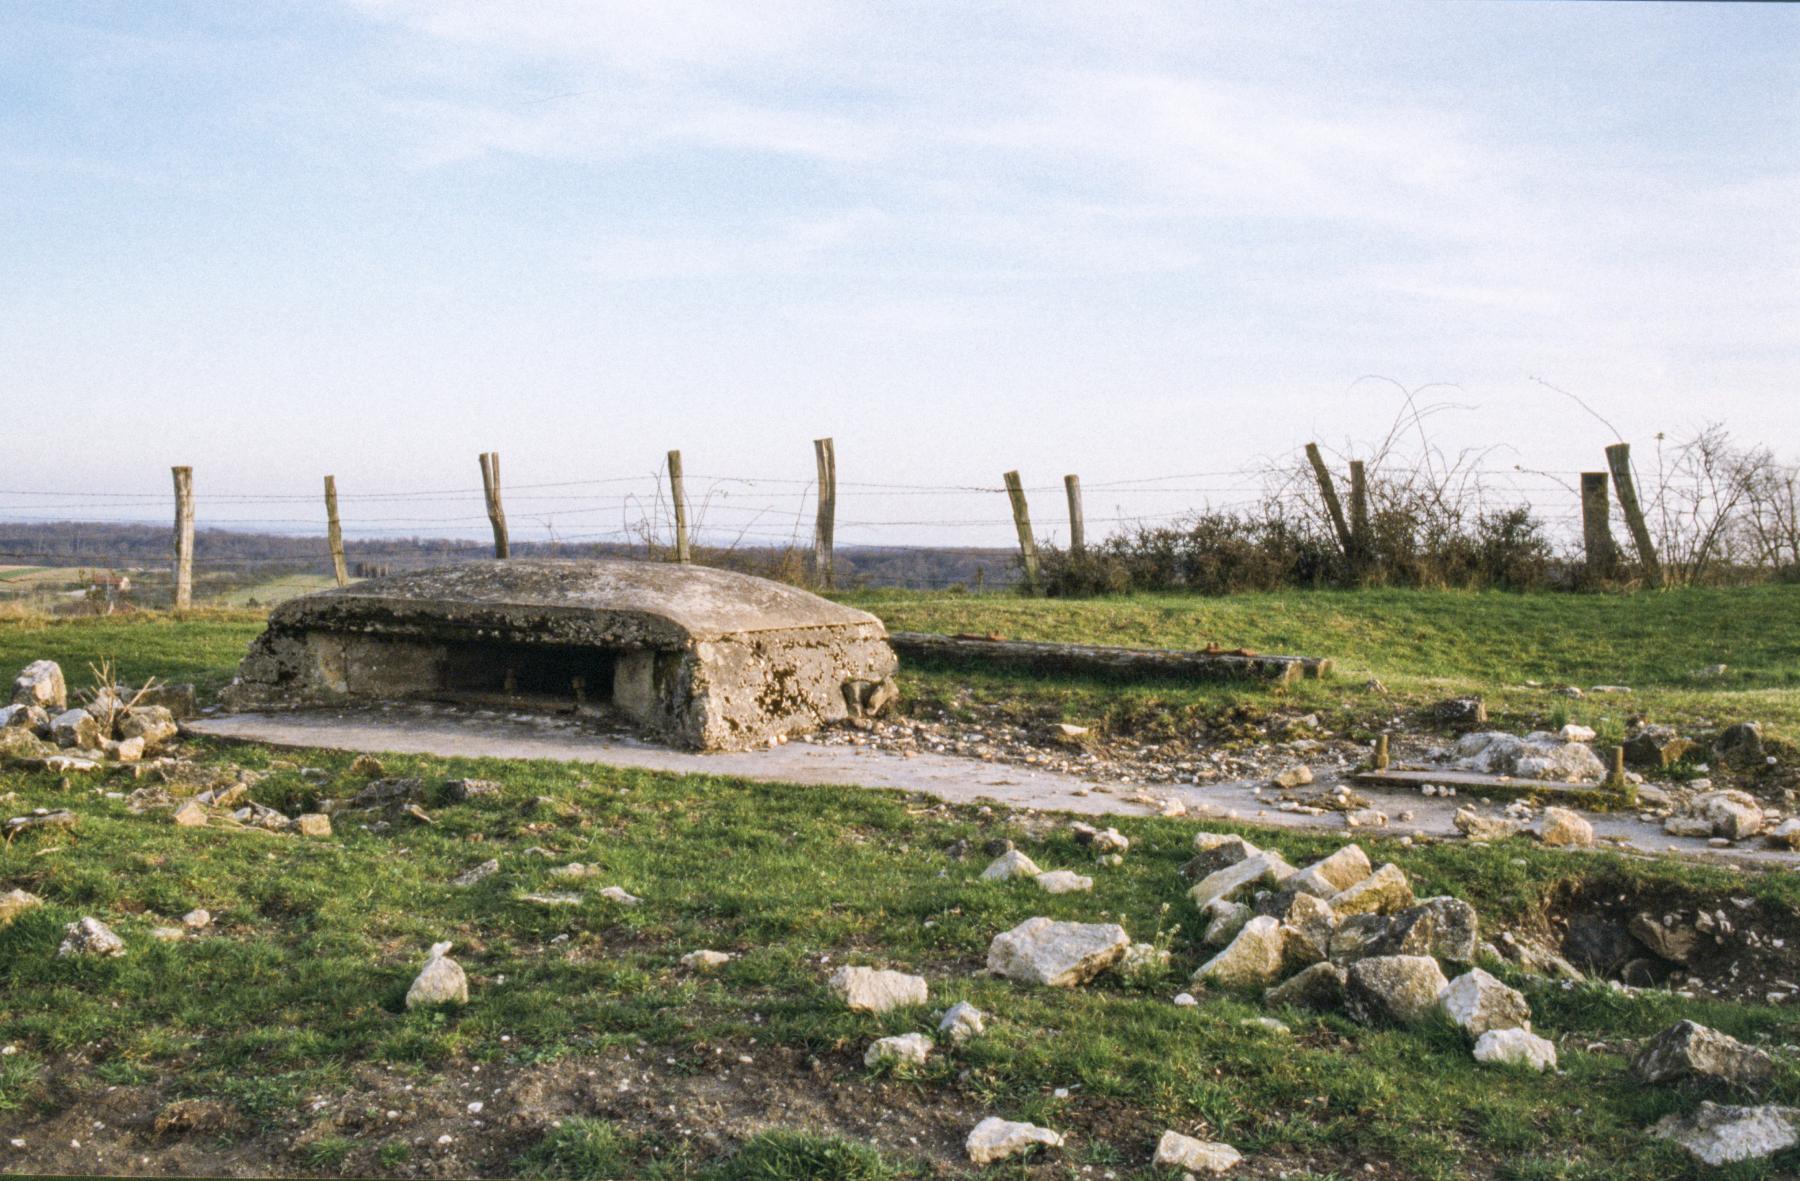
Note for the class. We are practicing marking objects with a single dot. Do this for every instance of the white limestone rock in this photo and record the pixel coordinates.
(1226, 919)
(1516, 1047)
(996, 1139)
(961, 1022)
(1175, 1151)
(1334, 874)
(90, 936)
(1382, 892)
(1253, 957)
(876, 990)
(908, 1048)
(1010, 864)
(440, 982)
(1477, 1002)
(1397, 988)
(706, 960)
(1562, 828)
(41, 683)
(1063, 881)
(1058, 954)
(1266, 868)
(1718, 1134)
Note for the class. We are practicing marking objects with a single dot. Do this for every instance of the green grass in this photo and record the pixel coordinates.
(1420, 645)
(299, 991)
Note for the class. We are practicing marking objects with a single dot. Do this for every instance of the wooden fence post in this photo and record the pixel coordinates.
(825, 456)
(1359, 515)
(1015, 492)
(1618, 458)
(1596, 527)
(184, 537)
(1328, 491)
(682, 552)
(334, 532)
(1077, 523)
(490, 485)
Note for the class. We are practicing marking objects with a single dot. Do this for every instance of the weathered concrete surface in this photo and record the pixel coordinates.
(704, 658)
(435, 730)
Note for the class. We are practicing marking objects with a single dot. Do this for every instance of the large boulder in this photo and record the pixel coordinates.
(1262, 869)
(1717, 1134)
(77, 728)
(1561, 828)
(1656, 747)
(155, 724)
(1254, 957)
(1740, 745)
(1306, 922)
(1538, 755)
(996, 1139)
(1332, 875)
(1399, 988)
(1443, 927)
(1477, 827)
(1382, 892)
(1733, 815)
(1318, 987)
(876, 990)
(1224, 919)
(1058, 954)
(1688, 1049)
(41, 683)
(1477, 1002)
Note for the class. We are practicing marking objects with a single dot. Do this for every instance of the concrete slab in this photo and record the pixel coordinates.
(427, 729)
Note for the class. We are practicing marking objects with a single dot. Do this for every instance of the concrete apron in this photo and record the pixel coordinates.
(402, 729)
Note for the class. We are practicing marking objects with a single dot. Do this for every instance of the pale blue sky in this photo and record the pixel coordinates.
(278, 239)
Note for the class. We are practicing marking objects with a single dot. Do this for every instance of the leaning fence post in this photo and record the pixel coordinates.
(1328, 491)
(334, 532)
(682, 553)
(490, 486)
(184, 537)
(1077, 524)
(1596, 526)
(1618, 458)
(825, 456)
(1015, 492)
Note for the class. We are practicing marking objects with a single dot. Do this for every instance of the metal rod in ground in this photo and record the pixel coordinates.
(1015, 492)
(1334, 508)
(1596, 527)
(679, 496)
(1616, 776)
(496, 511)
(334, 532)
(1381, 752)
(1618, 458)
(184, 537)
(1077, 523)
(825, 456)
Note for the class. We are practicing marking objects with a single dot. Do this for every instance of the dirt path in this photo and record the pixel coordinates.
(430, 730)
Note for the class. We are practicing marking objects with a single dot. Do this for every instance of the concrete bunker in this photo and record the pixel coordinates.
(702, 658)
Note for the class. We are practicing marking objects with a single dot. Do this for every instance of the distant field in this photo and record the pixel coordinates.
(276, 590)
(12, 573)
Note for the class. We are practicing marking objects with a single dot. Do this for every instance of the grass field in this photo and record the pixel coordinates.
(287, 1024)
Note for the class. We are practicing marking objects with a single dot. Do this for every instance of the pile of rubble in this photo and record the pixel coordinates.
(39, 729)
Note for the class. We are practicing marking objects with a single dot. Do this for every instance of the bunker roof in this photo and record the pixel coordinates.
(656, 600)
